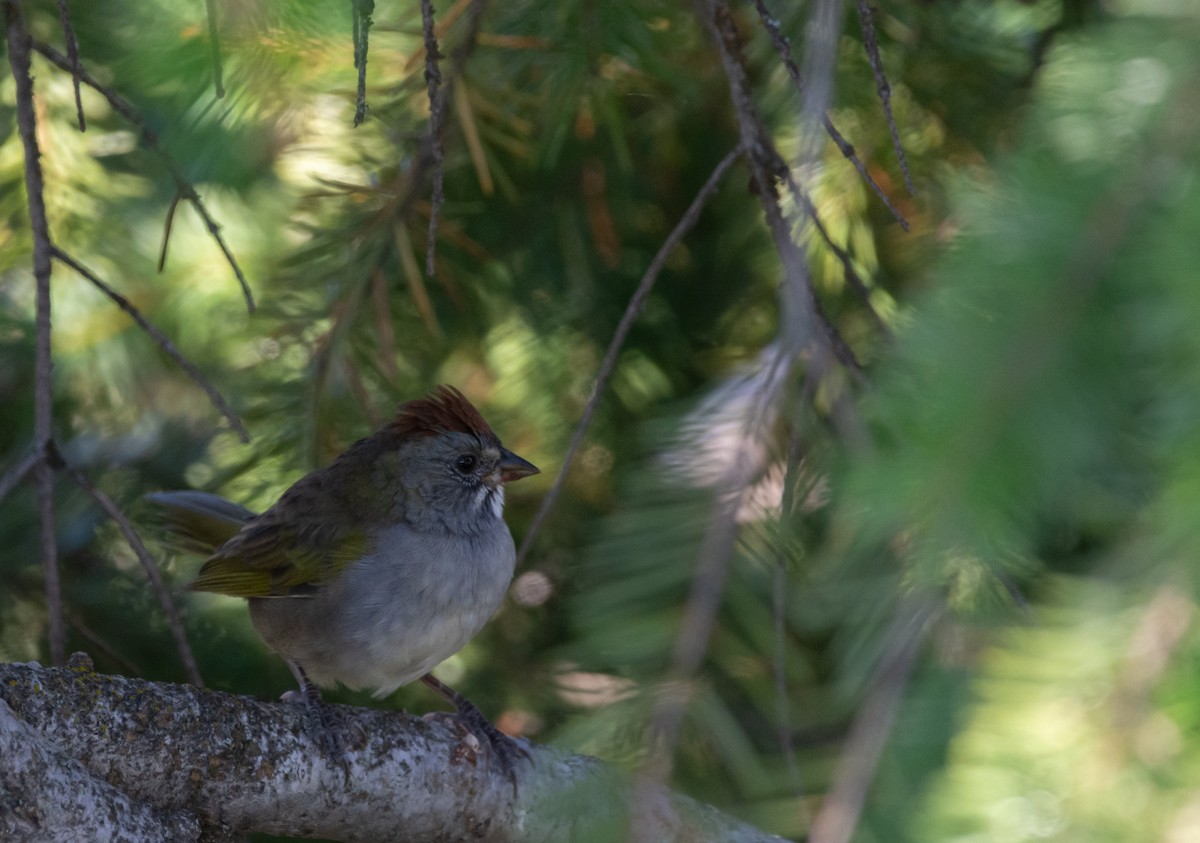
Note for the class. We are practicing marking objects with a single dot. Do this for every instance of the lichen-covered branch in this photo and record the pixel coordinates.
(201, 762)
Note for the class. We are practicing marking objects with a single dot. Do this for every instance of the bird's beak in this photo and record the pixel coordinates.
(513, 467)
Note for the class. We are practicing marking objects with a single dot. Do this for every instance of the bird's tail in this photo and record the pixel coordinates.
(199, 522)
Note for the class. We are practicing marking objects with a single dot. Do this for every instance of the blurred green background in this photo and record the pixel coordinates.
(1021, 515)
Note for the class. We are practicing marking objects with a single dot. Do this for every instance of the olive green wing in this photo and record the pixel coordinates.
(270, 557)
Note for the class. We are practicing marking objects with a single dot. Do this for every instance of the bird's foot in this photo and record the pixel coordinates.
(505, 751)
(325, 724)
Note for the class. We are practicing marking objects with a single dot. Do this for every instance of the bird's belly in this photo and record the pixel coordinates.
(386, 622)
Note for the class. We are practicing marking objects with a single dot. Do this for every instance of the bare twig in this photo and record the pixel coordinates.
(214, 43)
(783, 48)
(609, 364)
(363, 9)
(19, 59)
(437, 107)
(13, 477)
(159, 337)
(191, 669)
(804, 201)
(403, 191)
(842, 806)
(871, 45)
(804, 321)
(64, 19)
(182, 186)
(166, 238)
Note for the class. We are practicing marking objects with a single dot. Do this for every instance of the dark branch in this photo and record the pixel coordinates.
(783, 47)
(43, 419)
(163, 341)
(168, 223)
(363, 9)
(609, 364)
(437, 108)
(852, 277)
(64, 19)
(871, 45)
(804, 321)
(182, 186)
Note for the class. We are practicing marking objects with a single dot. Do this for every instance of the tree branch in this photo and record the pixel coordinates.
(783, 47)
(64, 19)
(164, 342)
(871, 45)
(43, 378)
(182, 186)
(237, 765)
(632, 311)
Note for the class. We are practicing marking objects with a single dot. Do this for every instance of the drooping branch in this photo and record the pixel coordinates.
(632, 310)
(19, 58)
(183, 187)
(783, 48)
(882, 86)
(64, 19)
(804, 321)
(235, 765)
(162, 339)
(437, 107)
(362, 11)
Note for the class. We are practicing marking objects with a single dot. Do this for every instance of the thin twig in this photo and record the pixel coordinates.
(609, 364)
(190, 668)
(437, 107)
(13, 477)
(163, 341)
(363, 9)
(804, 320)
(871, 45)
(408, 182)
(783, 47)
(843, 803)
(166, 238)
(43, 418)
(64, 19)
(214, 42)
(852, 277)
(182, 186)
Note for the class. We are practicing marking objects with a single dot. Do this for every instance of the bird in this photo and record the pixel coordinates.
(373, 570)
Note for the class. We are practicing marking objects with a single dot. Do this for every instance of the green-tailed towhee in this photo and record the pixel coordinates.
(378, 567)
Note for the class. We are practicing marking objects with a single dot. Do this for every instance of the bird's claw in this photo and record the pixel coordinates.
(502, 750)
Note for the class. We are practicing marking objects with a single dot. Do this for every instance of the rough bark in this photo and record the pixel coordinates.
(86, 756)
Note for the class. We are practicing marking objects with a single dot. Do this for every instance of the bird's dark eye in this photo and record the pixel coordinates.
(465, 463)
